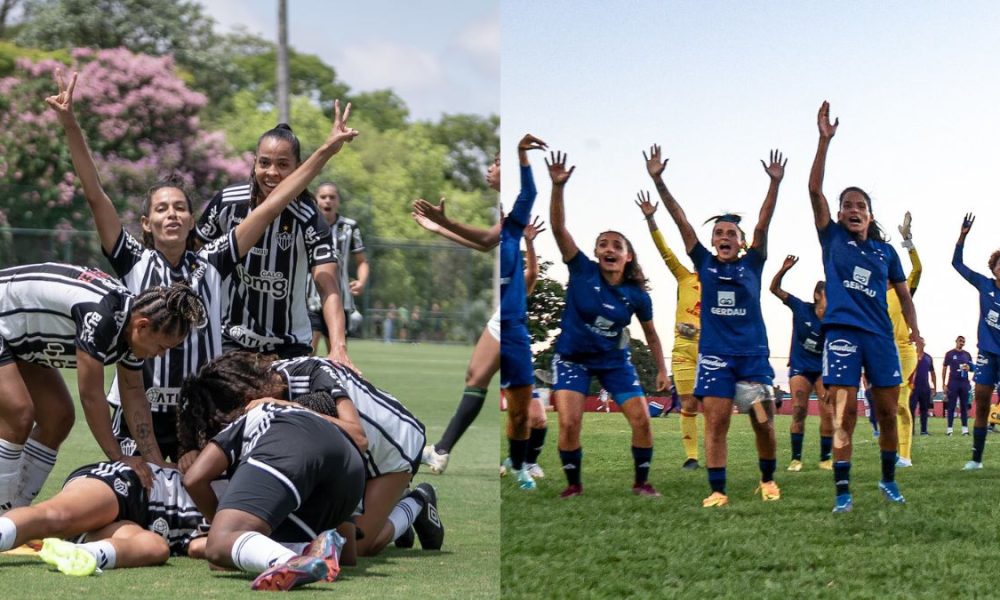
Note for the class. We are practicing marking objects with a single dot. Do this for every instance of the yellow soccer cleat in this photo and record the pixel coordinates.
(716, 500)
(769, 491)
(826, 465)
(68, 557)
(795, 466)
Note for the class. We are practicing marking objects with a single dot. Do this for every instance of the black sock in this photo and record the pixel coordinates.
(978, 443)
(467, 411)
(842, 476)
(571, 460)
(535, 444)
(717, 479)
(642, 458)
(797, 445)
(517, 449)
(825, 446)
(767, 466)
(888, 465)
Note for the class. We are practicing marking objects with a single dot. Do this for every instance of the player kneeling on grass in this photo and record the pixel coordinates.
(117, 521)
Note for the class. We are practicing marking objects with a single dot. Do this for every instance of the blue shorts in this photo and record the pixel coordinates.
(847, 350)
(618, 378)
(717, 374)
(811, 376)
(516, 368)
(987, 369)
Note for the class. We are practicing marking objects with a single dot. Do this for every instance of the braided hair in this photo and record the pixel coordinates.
(173, 309)
(173, 181)
(319, 402)
(215, 396)
(281, 131)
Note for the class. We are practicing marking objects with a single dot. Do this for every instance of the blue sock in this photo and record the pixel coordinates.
(571, 460)
(767, 466)
(797, 445)
(717, 479)
(978, 443)
(642, 457)
(842, 476)
(517, 449)
(825, 446)
(888, 465)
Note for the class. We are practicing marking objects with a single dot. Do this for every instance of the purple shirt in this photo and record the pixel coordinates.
(921, 377)
(953, 361)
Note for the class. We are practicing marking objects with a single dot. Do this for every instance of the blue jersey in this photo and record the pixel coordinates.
(731, 321)
(806, 353)
(513, 296)
(857, 277)
(989, 304)
(597, 314)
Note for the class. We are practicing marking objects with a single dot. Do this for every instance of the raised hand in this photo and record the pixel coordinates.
(789, 262)
(340, 132)
(647, 207)
(967, 222)
(654, 166)
(557, 168)
(776, 169)
(62, 102)
(531, 230)
(826, 129)
(425, 222)
(432, 213)
(904, 229)
(530, 142)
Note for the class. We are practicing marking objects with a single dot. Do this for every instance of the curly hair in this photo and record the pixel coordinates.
(215, 396)
(994, 259)
(633, 272)
(174, 309)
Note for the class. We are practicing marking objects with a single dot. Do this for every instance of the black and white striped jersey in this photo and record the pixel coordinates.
(395, 437)
(166, 509)
(49, 310)
(267, 292)
(346, 236)
(141, 268)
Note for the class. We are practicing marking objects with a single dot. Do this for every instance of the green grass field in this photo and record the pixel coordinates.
(429, 380)
(610, 544)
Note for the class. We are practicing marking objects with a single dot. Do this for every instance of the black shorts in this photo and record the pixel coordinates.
(132, 502)
(318, 323)
(6, 356)
(301, 478)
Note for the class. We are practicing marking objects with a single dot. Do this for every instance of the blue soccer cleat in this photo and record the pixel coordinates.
(890, 490)
(844, 503)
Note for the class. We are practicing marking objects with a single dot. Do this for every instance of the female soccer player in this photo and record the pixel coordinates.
(389, 436)
(486, 357)
(955, 373)
(165, 255)
(859, 267)
(56, 316)
(124, 524)
(805, 366)
(601, 298)
(687, 327)
(267, 294)
(906, 349)
(732, 352)
(987, 373)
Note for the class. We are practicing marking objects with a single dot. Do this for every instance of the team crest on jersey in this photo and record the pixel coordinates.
(160, 526)
(121, 487)
(284, 240)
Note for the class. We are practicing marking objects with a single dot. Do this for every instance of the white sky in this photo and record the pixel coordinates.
(440, 56)
(718, 84)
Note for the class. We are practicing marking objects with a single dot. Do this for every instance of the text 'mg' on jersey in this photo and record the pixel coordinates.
(49, 310)
(267, 292)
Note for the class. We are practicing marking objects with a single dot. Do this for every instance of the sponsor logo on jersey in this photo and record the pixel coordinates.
(862, 275)
(711, 363)
(258, 251)
(991, 319)
(285, 240)
(602, 327)
(311, 236)
(90, 322)
(841, 347)
(811, 345)
(727, 299)
(860, 281)
(982, 361)
(163, 396)
(121, 487)
(268, 282)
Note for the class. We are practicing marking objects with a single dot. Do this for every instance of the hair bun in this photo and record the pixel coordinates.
(283, 126)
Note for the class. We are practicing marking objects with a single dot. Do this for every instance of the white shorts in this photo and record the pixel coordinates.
(493, 325)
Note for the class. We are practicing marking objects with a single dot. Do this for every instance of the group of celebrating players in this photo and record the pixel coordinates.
(283, 465)
(861, 322)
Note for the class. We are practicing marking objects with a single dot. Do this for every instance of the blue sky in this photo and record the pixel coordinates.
(440, 56)
(718, 84)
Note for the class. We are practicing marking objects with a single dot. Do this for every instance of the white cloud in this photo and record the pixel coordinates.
(374, 64)
(480, 42)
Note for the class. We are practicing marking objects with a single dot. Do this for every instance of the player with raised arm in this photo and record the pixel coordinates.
(987, 373)
(602, 296)
(860, 266)
(165, 256)
(733, 365)
(805, 366)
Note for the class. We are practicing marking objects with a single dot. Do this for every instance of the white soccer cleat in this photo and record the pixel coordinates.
(535, 470)
(506, 467)
(435, 462)
(904, 462)
(972, 466)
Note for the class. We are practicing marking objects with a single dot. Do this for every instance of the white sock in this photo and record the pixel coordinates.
(8, 531)
(37, 461)
(255, 553)
(403, 516)
(296, 547)
(103, 551)
(10, 474)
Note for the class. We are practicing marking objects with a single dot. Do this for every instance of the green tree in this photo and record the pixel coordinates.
(472, 141)
(545, 308)
(382, 108)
